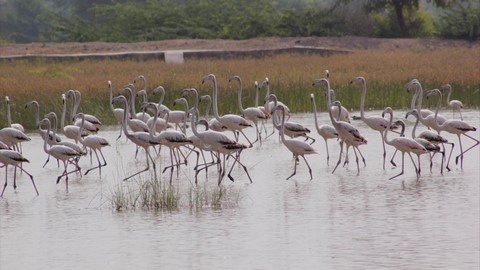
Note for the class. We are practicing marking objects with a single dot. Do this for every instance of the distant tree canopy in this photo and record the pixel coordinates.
(144, 20)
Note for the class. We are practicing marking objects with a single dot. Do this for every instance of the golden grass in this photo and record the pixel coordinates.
(290, 77)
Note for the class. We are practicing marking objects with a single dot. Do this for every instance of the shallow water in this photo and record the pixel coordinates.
(340, 220)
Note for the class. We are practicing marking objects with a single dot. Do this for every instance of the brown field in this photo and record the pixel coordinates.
(386, 71)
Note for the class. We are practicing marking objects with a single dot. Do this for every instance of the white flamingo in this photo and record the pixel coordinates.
(9, 117)
(95, 143)
(415, 83)
(346, 131)
(160, 90)
(135, 124)
(13, 137)
(139, 138)
(456, 127)
(431, 137)
(72, 145)
(117, 112)
(9, 157)
(455, 105)
(430, 147)
(63, 153)
(70, 131)
(428, 121)
(160, 124)
(292, 129)
(88, 117)
(269, 106)
(144, 116)
(375, 122)
(344, 114)
(298, 148)
(217, 141)
(326, 131)
(253, 114)
(403, 144)
(232, 121)
(262, 108)
(89, 127)
(213, 123)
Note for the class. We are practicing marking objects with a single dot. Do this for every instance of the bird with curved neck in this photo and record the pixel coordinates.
(117, 112)
(253, 114)
(13, 158)
(453, 126)
(139, 138)
(9, 117)
(326, 131)
(428, 120)
(233, 122)
(298, 148)
(403, 144)
(64, 153)
(374, 122)
(216, 141)
(455, 105)
(347, 132)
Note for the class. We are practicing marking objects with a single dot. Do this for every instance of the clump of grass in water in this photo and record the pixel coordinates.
(216, 197)
(149, 194)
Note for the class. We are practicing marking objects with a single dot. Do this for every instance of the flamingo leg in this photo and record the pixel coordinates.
(363, 159)
(328, 155)
(356, 159)
(463, 152)
(339, 157)
(48, 159)
(417, 170)
(31, 178)
(4, 185)
(384, 150)
(403, 166)
(393, 156)
(309, 169)
(148, 156)
(100, 165)
(294, 168)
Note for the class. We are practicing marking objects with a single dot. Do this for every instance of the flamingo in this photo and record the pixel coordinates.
(139, 138)
(88, 117)
(216, 141)
(63, 153)
(455, 105)
(430, 147)
(135, 124)
(346, 131)
(298, 148)
(262, 108)
(403, 144)
(161, 90)
(12, 137)
(213, 123)
(344, 114)
(144, 116)
(15, 159)
(428, 120)
(232, 121)
(117, 112)
(173, 139)
(326, 131)
(430, 136)
(292, 129)
(418, 89)
(269, 106)
(72, 145)
(95, 143)
(89, 126)
(374, 122)
(52, 137)
(70, 131)
(160, 124)
(253, 114)
(9, 117)
(457, 127)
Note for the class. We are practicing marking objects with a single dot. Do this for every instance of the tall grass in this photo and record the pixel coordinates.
(290, 77)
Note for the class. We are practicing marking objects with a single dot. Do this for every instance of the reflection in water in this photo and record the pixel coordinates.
(334, 221)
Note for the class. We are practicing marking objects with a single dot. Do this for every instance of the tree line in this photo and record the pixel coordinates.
(24, 21)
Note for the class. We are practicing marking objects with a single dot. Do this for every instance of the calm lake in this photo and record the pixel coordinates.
(335, 221)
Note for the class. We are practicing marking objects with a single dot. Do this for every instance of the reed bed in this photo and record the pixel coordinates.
(290, 77)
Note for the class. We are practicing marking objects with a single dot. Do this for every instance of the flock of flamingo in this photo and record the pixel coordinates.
(168, 128)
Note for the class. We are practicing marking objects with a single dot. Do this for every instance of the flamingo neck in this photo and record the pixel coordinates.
(282, 129)
(329, 109)
(195, 113)
(419, 94)
(439, 103)
(240, 97)
(9, 117)
(315, 112)
(155, 117)
(448, 95)
(389, 124)
(45, 139)
(362, 100)
(64, 112)
(256, 95)
(215, 101)
(111, 96)
(415, 127)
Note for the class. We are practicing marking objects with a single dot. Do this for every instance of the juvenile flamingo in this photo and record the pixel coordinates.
(9, 117)
(326, 131)
(232, 121)
(117, 112)
(457, 127)
(455, 105)
(298, 148)
(15, 159)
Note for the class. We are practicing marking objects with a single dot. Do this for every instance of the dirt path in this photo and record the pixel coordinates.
(345, 43)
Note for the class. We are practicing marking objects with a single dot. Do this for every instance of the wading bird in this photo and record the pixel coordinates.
(15, 159)
(325, 130)
(455, 105)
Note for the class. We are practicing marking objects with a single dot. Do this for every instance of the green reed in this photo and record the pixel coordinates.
(290, 76)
